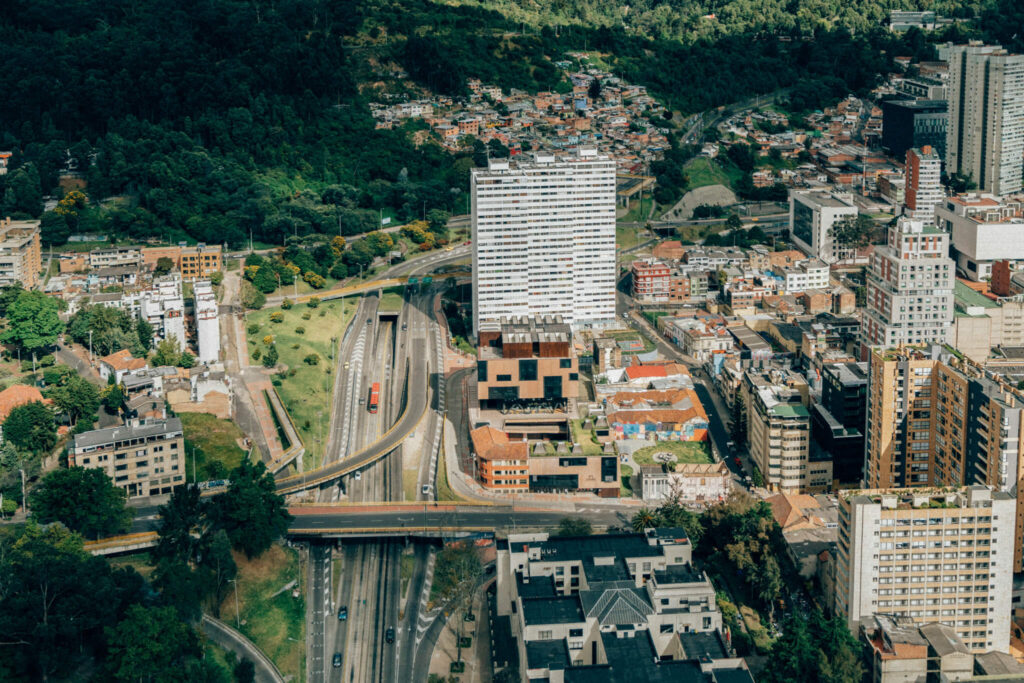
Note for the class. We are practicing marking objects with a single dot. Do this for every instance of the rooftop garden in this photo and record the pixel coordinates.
(674, 452)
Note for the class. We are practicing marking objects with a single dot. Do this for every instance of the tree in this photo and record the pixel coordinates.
(183, 525)
(574, 526)
(270, 357)
(145, 332)
(594, 90)
(150, 644)
(456, 574)
(218, 565)
(76, 398)
(738, 420)
(251, 512)
(108, 330)
(645, 518)
(852, 233)
(265, 279)
(55, 600)
(252, 298)
(31, 427)
(167, 352)
(33, 322)
(245, 671)
(312, 359)
(83, 500)
(164, 265)
(112, 397)
(733, 222)
(180, 588)
(8, 295)
(186, 360)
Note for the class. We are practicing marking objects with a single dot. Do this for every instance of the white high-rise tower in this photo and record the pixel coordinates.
(544, 239)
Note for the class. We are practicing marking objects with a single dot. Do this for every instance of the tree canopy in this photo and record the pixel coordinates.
(83, 499)
(33, 322)
(251, 512)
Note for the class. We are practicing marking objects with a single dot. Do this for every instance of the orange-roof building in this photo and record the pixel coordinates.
(504, 465)
(120, 363)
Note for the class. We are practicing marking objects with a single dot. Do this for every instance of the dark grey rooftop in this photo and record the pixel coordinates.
(547, 654)
(99, 437)
(731, 676)
(561, 610)
(619, 605)
(697, 645)
(582, 548)
(678, 573)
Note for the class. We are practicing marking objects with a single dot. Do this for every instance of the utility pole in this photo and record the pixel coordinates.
(238, 623)
(90, 349)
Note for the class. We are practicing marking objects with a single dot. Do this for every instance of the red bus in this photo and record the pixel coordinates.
(374, 397)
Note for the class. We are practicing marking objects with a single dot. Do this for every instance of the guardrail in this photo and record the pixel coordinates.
(247, 646)
(121, 544)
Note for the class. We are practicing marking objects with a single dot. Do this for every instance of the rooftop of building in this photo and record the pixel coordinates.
(493, 444)
(970, 297)
(99, 437)
(547, 654)
(586, 548)
(17, 395)
(552, 610)
(123, 360)
(848, 374)
(921, 498)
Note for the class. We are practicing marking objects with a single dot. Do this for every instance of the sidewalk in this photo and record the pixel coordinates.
(478, 656)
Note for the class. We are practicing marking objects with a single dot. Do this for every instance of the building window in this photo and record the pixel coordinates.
(565, 363)
(573, 376)
(503, 378)
(527, 370)
(575, 633)
(666, 628)
(544, 635)
(481, 371)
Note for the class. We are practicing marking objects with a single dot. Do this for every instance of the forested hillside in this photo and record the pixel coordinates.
(214, 119)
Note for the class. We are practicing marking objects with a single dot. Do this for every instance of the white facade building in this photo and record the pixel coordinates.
(936, 556)
(984, 229)
(544, 239)
(809, 274)
(910, 288)
(163, 306)
(207, 322)
(812, 216)
(985, 137)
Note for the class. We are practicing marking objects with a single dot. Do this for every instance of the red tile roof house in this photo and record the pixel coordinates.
(120, 363)
(15, 396)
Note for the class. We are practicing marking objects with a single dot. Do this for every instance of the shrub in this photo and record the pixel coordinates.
(313, 302)
(311, 359)
(323, 313)
(300, 330)
(277, 317)
(253, 328)
(295, 346)
(286, 304)
(307, 315)
(291, 372)
(268, 340)
(256, 354)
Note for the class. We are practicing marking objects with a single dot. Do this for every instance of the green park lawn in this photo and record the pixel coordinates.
(391, 300)
(305, 389)
(704, 171)
(275, 623)
(684, 451)
(213, 443)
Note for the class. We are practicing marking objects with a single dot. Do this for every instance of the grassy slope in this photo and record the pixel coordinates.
(212, 440)
(276, 625)
(306, 394)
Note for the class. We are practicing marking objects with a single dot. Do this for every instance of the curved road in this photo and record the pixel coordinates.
(410, 418)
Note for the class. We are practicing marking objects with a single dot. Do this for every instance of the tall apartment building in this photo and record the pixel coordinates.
(934, 420)
(20, 253)
(935, 556)
(985, 137)
(837, 420)
(144, 459)
(910, 287)
(163, 306)
(923, 184)
(914, 123)
(544, 239)
(779, 433)
(207, 322)
(813, 215)
(984, 229)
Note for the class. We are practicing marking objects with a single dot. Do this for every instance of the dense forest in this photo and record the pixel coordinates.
(217, 120)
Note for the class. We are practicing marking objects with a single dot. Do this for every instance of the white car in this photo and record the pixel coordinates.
(425, 490)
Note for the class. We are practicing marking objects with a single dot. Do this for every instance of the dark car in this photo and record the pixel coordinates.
(405, 326)
(389, 635)
(369, 321)
(336, 660)
(342, 613)
(737, 461)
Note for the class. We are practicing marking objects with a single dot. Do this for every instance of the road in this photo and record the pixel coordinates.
(336, 522)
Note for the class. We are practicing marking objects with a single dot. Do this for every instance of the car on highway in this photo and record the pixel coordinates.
(346, 365)
(448, 248)
(405, 326)
(369, 321)
(389, 635)
(336, 660)
(425, 490)
(343, 613)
